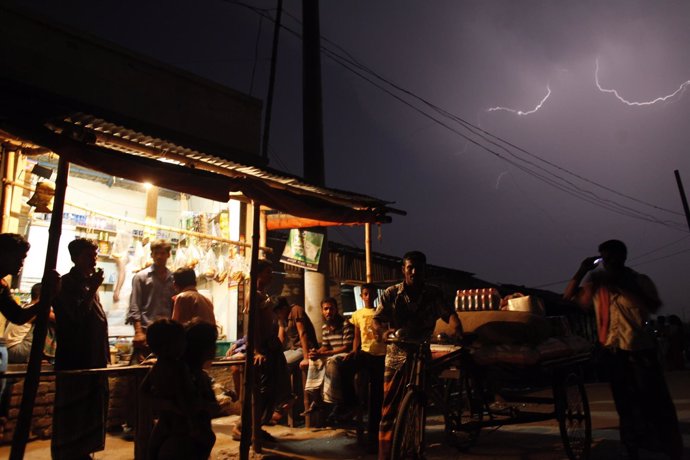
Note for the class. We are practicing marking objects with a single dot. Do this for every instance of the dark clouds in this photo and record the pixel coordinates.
(484, 54)
(467, 208)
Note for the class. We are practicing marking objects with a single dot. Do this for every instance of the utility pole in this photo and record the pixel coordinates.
(271, 81)
(313, 161)
(315, 283)
(683, 198)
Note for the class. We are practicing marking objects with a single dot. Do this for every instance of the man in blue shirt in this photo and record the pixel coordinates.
(151, 298)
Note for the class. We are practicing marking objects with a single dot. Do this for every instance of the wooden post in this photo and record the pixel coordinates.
(250, 419)
(367, 251)
(26, 409)
(151, 210)
(144, 419)
(7, 177)
(263, 237)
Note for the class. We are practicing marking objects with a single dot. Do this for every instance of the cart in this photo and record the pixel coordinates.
(473, 388)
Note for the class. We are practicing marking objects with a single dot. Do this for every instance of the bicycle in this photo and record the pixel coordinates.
(435, 383)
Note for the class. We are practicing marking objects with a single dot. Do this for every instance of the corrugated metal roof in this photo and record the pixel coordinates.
(122, 139)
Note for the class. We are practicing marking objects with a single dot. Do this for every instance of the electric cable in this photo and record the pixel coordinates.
(350, 63)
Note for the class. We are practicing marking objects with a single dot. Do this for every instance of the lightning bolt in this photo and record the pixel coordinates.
(520, 112)
(680, 90)
(500, 176)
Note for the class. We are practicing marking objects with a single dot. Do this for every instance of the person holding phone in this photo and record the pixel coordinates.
(622, 300)
(81, 401)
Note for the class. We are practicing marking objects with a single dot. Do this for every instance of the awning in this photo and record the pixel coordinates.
(109, 109)
(140, 158)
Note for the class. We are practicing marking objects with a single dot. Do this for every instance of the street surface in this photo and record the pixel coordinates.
(539, 441)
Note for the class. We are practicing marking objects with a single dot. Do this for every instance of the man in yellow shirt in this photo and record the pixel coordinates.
(368, 353)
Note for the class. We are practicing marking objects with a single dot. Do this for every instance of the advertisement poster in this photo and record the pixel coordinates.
(303, 249)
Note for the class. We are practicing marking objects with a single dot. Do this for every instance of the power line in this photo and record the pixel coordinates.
(354, 61)
(660, 248)
(662, 258)
(553, 283)
(481, 133)
(569, 188)
(350, 63)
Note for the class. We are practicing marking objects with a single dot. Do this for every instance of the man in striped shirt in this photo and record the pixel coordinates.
(324, 378)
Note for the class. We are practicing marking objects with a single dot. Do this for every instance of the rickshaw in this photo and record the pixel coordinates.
(476, 384)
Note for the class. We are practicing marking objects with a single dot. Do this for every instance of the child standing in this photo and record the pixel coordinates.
(201, 349)
(178, 398)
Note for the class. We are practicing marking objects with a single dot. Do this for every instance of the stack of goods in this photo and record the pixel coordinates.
(477, 299)
(513, 336)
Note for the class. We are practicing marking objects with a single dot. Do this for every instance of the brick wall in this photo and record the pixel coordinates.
(41, 423)
(120, 403)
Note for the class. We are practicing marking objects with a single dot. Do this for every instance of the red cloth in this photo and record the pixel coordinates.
(604, 314)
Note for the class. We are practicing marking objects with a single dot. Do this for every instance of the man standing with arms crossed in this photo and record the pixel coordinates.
(413, 306)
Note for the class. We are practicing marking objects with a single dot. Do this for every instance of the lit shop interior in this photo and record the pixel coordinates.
(124, 217)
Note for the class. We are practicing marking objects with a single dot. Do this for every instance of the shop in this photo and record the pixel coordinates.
(131, 150)
(109, 115)
(123, 217)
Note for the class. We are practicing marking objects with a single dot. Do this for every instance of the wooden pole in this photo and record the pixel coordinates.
(683, 198)
(151, 211)
(367, 251)
(7, 177)
(26, 409)
(249, 417)
(263, 236)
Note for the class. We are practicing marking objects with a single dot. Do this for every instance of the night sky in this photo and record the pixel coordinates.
(587, 165)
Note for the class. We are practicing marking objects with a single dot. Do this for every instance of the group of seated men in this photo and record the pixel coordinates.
(348, 346)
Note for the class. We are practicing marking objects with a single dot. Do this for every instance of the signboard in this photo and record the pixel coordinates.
(303, 249)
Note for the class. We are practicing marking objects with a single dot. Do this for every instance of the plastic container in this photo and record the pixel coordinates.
(123, 346)
(3, 364)
(3, 356)
(526, 303)
(222, 347)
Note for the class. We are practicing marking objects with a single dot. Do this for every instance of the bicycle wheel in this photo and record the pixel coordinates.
(408, 432)
(463, 412)
(574, 420)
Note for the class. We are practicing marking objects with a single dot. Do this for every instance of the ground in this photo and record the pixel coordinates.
(538, 441)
